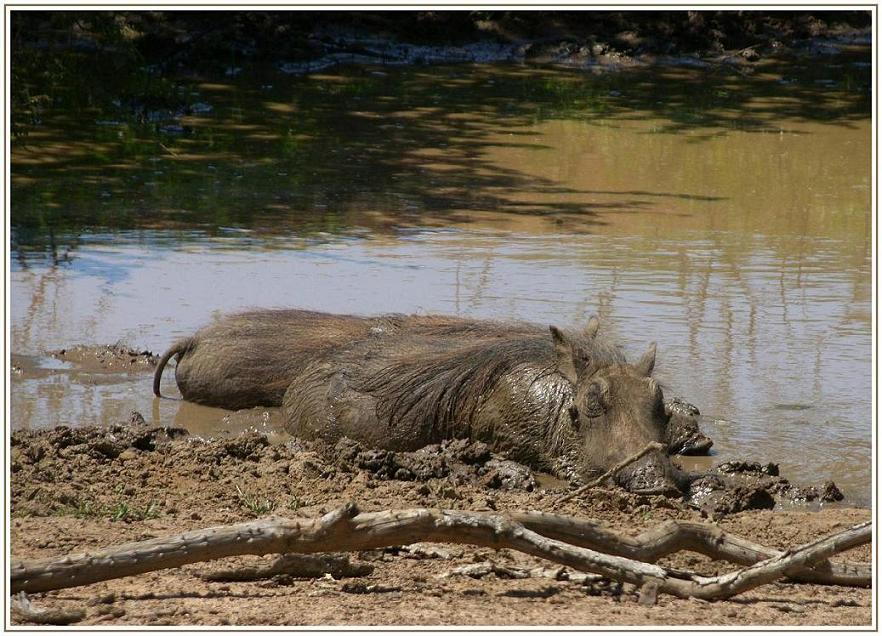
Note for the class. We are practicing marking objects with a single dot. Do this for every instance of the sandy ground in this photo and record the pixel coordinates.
(80, 490)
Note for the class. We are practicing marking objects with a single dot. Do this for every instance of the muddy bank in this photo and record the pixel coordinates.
(109, 358)
(75, 490)
(115, 358)
(699, 40)
(436, 469)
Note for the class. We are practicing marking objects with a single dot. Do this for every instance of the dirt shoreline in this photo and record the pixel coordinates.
(77, 490)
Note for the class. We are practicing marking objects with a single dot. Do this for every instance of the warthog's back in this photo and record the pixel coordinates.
(248, 359)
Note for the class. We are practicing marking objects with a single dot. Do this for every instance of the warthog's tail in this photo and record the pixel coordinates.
(178, 347)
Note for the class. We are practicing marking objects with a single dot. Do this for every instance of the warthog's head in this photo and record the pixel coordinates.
(618, 410)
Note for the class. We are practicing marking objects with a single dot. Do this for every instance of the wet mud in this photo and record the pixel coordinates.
(437, 469)
(37, 457)
(84, 360)
(736, 485)
(107, 358)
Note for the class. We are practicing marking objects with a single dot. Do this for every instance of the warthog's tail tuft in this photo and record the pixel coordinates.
(179, 347)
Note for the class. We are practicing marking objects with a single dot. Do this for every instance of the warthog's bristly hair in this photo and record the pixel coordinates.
(449, 387)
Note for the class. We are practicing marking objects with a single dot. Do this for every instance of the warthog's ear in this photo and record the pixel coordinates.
(647, 362)
(592, 327)
(563, 354)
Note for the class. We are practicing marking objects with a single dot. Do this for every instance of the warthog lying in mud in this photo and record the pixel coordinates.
(563, 401)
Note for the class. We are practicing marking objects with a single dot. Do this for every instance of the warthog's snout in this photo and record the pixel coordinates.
(699, 445)
(652, 475)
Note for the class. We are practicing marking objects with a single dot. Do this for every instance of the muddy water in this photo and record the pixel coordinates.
(725, 215)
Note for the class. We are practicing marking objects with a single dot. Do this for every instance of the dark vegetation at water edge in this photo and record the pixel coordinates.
(205, 38)
(52, 48)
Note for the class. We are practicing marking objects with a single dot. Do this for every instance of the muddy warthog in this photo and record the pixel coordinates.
(562, 401)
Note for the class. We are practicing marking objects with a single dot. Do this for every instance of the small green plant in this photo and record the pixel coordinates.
(151, 511)
(254, 504)
(296, 503)
(120, 511)
(85, 509)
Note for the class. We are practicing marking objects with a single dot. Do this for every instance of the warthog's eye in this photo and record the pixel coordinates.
(582, 360)
(592, 402)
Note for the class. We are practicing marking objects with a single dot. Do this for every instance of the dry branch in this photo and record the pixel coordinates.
(675, 536)
(345, 530)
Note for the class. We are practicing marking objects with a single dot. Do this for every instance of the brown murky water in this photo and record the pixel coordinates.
(726, 216)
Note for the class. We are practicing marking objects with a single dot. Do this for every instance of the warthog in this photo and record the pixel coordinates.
(562, 401)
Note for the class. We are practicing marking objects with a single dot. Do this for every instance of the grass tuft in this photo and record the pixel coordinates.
(254, 504)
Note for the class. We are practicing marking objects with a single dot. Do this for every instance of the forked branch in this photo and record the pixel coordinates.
(674, 536)
(345, 530)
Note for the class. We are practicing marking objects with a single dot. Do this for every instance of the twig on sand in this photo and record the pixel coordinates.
(673, 536)
(25, 612)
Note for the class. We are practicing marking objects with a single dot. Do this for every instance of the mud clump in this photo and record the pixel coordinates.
(383, 464)
(507, 475)
(717, 497)
(829, 492)
(735, 486)
(248, 446)
(733, 467)
(109, 443)
(463, 460)
(108, 358)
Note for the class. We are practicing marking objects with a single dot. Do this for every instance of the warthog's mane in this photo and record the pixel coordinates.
(445, 387)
